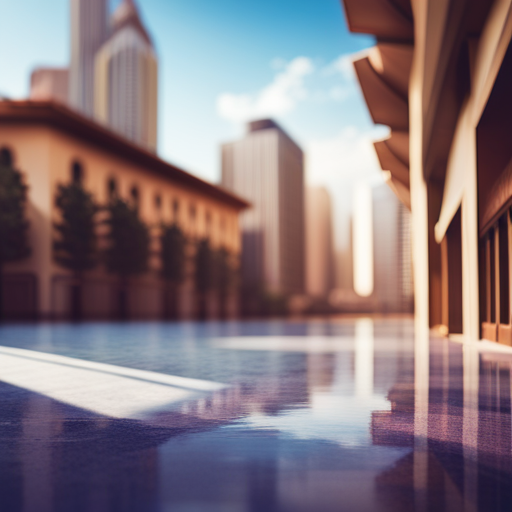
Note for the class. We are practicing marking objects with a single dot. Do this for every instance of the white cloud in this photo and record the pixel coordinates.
(348, 156)
(341, 70)
(334, 82)
(343, 66)
(278, 63)
(339, 93)
(277, 98)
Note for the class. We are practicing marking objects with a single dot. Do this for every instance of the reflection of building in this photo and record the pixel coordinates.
(267, 168)
(320, 278)
(392, 252)
(395, 427)
(440, 78)
(51, 144)
(321, 371)
(126, 74)
(50, 84)
(52, 456)
(459, 437)
(88, 32)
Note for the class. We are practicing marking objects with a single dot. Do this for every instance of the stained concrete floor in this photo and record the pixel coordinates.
(324, 415)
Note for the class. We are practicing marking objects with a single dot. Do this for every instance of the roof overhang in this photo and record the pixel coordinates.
(384, 78)
(401, 191)
(385, 19)
(383, 74)
(71, 123)
(393, 155)
(390, 160)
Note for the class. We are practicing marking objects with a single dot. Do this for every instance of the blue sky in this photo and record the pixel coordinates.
(223, 62)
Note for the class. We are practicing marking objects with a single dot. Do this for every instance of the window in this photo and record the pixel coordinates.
(6, 157)
(134, 193)
(495, 281)
(175, 209)
(77, 173)
(158, 201)
(192, 212)
(111, 188)
(503, 265)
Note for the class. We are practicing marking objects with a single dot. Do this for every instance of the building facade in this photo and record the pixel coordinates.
(50, 84)
(266, 167)
(439, 77)
(89, 30)
(47, 142)
(392, 256)
(126, 79)
(320, 271)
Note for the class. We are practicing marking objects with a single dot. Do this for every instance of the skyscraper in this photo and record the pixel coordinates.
(392, 257)
(320, 274)
(266, 168)
(89, 31)
(126, 79)
(50, 84)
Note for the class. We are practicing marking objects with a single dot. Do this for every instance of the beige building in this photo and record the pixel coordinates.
(47, 142)
(392, 257)
(89, 30)
(320, 272)
(50, 84)
(266, 167)
(126, 79)
(440, 78)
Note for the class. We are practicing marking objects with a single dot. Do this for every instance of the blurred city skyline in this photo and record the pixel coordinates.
(292, 65)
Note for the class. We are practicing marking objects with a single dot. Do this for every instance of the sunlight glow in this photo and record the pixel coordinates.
(100, 388)
(363, 240)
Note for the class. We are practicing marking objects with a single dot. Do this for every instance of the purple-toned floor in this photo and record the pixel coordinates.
(324, 415)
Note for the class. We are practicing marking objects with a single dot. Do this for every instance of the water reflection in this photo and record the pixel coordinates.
(364, 355)
(355, 416)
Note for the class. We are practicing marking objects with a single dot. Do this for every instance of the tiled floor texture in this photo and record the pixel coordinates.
(321, 415)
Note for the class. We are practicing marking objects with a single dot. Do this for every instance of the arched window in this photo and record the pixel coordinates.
(134, 193)
(175, 209)
(77, 172)
(6, 157)
(111, 188)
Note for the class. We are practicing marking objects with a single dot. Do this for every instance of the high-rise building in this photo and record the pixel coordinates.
(344, 266)
(126, 79)
(392, 256)
(50, 84)
(266, 167)
(320, 273)
(89, 30)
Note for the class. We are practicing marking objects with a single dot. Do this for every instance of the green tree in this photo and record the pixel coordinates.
(127, 252)
(13, 225)
(173, 256)
(75, 247)
(204, 274)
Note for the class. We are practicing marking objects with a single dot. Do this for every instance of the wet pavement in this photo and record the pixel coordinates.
(325, 415)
